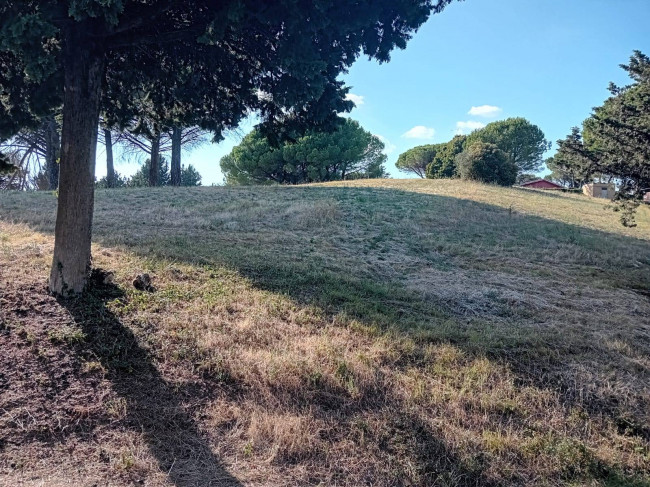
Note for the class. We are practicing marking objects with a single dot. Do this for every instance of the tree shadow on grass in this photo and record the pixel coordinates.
(408, 444)
(153, 408)
(538, 352)
(284, 265)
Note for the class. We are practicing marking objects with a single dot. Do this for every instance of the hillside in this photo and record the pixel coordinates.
(380, 332)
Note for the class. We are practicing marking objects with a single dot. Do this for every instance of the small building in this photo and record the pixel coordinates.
(646, 197)
(600, 190)
(541, 184)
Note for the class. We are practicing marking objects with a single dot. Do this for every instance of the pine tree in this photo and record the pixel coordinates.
(199, 63)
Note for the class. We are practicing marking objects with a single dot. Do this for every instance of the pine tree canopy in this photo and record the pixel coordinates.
(203, 62)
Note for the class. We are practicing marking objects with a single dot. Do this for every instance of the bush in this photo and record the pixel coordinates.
(350, 152)
(443, 164)
(190, 176)
(119, 182)
(486, 163)
(141, 178)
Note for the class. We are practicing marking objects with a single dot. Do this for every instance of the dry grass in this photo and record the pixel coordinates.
(572, 208)
(390, 333)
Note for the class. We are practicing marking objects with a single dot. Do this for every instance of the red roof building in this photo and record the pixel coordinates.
(541, 184)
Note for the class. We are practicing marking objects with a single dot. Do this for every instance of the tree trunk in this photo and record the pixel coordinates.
(84, 65)
(154, 161)
(52, 151)
(176, 156)
(110, 169)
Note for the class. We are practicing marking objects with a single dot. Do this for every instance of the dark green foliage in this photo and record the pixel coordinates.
(432, 160)
(523, 142)
(443, 164)
(119, 181)
(29, 57)
(417, 159)
(573, 163)
(526, 177)
(5, 165)
(8, 169)
(190, 176)
(141, 178)
(187, 55)
(486, 163)
(350, 152)
(627, 209)
(617, 134)
(615, 141)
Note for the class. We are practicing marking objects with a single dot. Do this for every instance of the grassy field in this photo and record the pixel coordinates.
(381, 333)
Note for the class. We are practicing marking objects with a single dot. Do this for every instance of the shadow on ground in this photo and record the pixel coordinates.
(153, 407)
(285, 263)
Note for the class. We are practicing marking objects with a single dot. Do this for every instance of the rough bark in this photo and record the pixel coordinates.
(176, 156)
(52, 153)
(84, 64)
(154, 161)
(110, 168)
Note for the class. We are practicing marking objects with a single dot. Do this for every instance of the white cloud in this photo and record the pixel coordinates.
(357, 99)
(485, 111)
(388, 147)
(419, 132)
(469, 126)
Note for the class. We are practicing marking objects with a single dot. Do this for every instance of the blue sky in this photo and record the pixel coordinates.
(549, 61)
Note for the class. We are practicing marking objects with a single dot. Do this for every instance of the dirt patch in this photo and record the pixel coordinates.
(79, 398)
(49, 396)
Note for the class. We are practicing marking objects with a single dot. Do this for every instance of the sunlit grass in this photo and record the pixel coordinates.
(394, 332)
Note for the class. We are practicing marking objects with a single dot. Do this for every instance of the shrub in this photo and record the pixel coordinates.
(190, 176)
(486, 163)
(119, 182)
(443, 164)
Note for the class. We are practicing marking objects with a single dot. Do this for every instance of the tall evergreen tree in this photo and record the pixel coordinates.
(417, 159)
(443, 164)
(523, 143)
(615, 140)
(201, 57)
(350, 152)
(573, 164)
(618, 133)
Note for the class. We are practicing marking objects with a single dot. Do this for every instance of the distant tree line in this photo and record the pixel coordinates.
(349, 152)
(499, 153)
(32, 155)
(189, 177)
